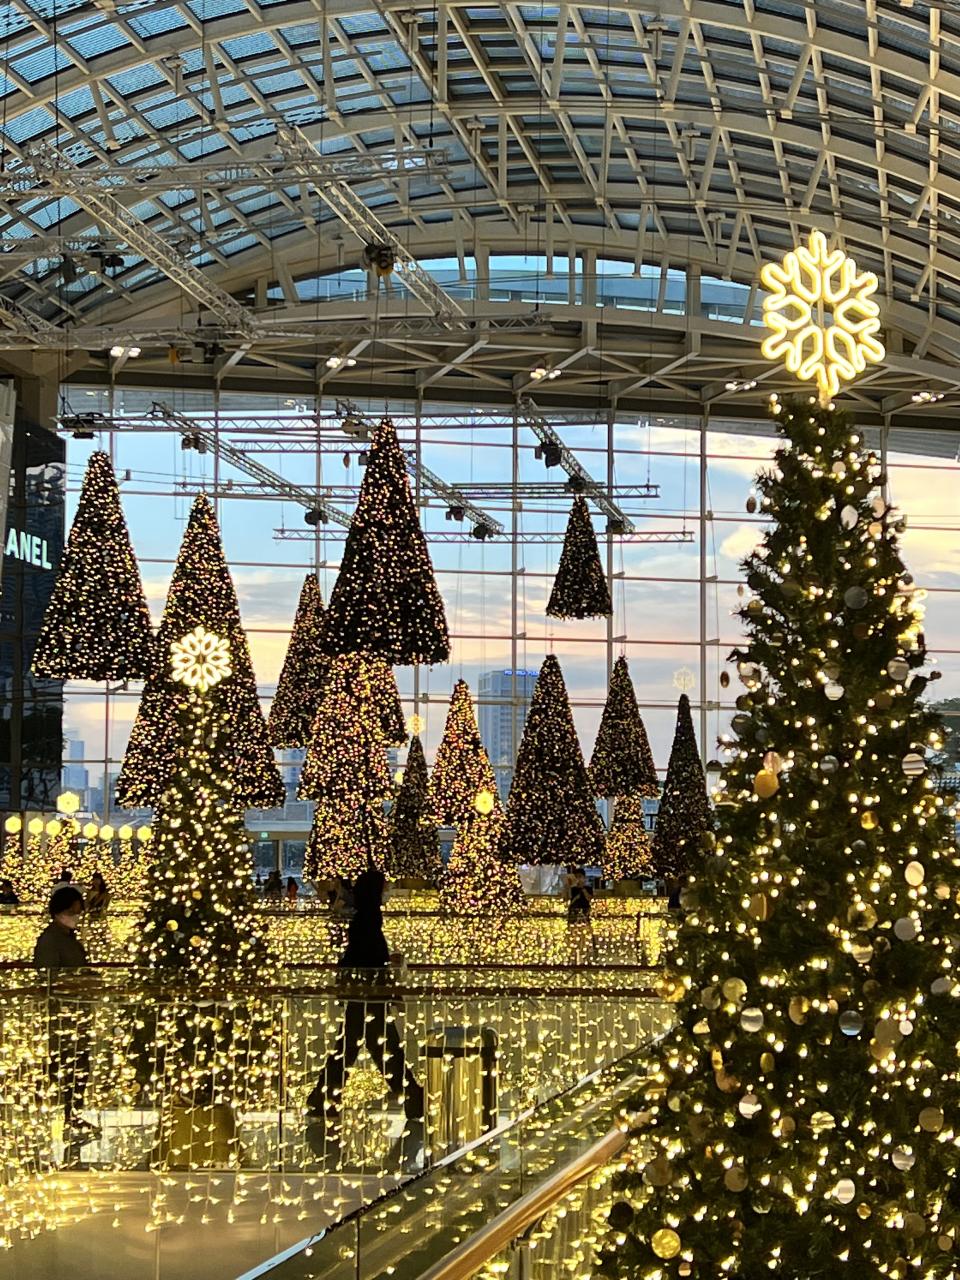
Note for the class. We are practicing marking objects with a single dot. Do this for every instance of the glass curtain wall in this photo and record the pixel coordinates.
(674, 592)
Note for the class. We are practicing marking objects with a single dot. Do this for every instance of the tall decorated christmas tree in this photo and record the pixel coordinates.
(551, 813)
(199, 918)
(385, 600)
(300, 686)
(201, 595)
(346, 773)
(414, 844)
(684, 818)
(580, 588)
(477, 881)
(97, 624)
(202, 1062)
(462, 768)
(803, 1112)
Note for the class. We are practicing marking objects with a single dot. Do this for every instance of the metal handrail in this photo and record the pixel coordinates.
(466, 1259)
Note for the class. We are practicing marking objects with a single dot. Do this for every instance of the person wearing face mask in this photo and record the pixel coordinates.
(57, 948)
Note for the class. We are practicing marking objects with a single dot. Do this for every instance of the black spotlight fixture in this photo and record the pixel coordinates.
(616, 527)
(315, 516)
(552, 455)
(363, 457)
(455, 513)
(481, 531)
(575, 484)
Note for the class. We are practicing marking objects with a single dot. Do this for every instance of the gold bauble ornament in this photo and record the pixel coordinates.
(759, 908)
(196, 940)
(665, 1243)
(868, 820)
(172, 926)
(931, 1119)
(766, 783)
(735, 1179)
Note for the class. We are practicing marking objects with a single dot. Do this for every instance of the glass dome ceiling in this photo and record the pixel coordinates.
(702, 141)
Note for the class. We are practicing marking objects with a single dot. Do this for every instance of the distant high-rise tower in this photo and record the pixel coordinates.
(496, 716)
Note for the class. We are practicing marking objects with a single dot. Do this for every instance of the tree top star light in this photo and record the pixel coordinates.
(821, 314)
(200, 660)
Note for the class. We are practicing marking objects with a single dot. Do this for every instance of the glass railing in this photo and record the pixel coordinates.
(310, 1093)
(409, 1229)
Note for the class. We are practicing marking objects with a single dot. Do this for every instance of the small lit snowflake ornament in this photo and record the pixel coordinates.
(821, 314)
(200, 659)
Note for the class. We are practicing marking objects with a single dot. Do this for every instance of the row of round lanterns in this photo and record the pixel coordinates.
(67, 804)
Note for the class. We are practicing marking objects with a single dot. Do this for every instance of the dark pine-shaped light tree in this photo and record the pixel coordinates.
(346, 773)
(414, 849)
(580, 588)
(385, 600)
(551, 813)
(684, 817)
(623, 772)
(97, 624)
(477, 881)
(804, 1107)
(300, 686)
(201, 594)
(622, 762)
(462, 768)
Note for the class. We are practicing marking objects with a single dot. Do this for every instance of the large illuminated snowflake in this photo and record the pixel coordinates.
(200, 659)
(822, 318)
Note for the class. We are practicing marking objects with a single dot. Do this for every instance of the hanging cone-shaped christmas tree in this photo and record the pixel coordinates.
(580, 588)
(300, 686)
(387, 696)
(97, 624)
(462, 769)
(806, 1104)
(201, 594)
(476, 880)
(414, 844)
(346, 773)
(386, 600)
(622, 762)
(684, 815)
(551, 813)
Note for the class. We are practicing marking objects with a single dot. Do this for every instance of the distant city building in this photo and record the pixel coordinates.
(74, 775)
(496, 712)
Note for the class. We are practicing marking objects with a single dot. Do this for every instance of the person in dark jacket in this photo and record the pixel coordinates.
(57, 948)
(8, 895)
(365, 960)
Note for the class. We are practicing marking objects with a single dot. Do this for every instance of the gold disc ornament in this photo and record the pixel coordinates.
(665, 1243)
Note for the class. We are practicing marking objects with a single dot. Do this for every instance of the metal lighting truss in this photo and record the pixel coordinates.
(31, 329)
(647, 536)
(363, 222)
(542, 429)
(44, 170)
(189, 427)
(448, 493)
(61, 174)
(22, 330)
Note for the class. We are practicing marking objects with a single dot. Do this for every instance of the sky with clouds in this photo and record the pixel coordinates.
(656, 599)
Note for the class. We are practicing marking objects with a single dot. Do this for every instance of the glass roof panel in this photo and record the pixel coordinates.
(99, 39)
